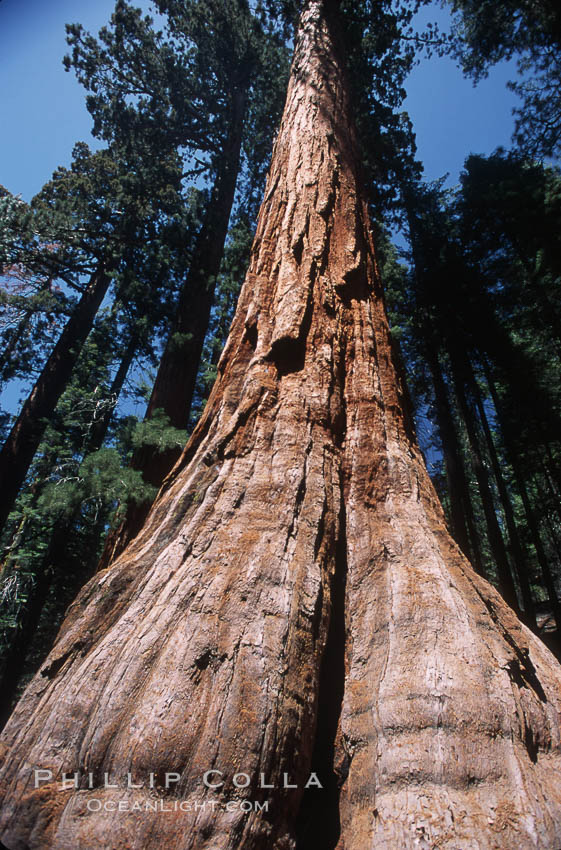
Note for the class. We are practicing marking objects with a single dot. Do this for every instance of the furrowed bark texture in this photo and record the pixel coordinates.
(294, 599)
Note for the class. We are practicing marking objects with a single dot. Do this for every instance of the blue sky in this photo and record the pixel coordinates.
(453, 118)
(42, 105)
(44, 112)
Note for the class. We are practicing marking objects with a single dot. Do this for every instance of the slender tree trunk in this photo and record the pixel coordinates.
(294, 598)
(553, 533)
(177, 373)
(518, 555)
(548, 473)
(553, 470)
(540, 553)
(464, 526)
(495, 536)
(9, 349)
(15, 656)
(20, 447)
(462, 516)
(100, 426)
(534, 401)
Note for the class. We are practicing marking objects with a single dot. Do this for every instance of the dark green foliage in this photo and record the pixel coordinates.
(510, 212)
(494, 31)
(486, 32)
(63, 484)
(157, 432)
(33, 303)
(208, 86)
(55, 534)
(113, 218)
(135, 219)
(171, 89)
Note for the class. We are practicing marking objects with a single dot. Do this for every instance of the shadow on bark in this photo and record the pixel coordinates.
(318, 822)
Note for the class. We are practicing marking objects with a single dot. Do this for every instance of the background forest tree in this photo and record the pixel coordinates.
(187, 108)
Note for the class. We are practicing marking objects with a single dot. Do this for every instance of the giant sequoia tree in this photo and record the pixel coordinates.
(294, 603)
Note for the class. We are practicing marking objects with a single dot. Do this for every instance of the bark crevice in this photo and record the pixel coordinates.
(318, 823)
(288, 353)
(51, 670)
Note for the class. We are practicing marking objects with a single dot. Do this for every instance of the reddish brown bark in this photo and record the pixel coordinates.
(294, 599)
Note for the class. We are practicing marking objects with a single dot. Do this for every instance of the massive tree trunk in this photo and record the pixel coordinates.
(294, 601)
(20, 447)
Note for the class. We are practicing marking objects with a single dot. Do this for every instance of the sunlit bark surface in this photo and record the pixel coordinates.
(294, 602)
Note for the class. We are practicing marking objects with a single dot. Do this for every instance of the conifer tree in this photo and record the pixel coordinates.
(105, 210)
